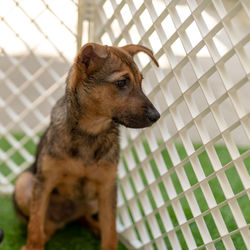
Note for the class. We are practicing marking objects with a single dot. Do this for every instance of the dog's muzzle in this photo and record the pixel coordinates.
(150, 116)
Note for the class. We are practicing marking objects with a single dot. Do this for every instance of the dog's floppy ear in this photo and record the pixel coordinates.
(133, 49)
(90, 58)
(91, 55)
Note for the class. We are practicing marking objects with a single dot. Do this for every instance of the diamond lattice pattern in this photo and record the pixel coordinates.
(34, 61)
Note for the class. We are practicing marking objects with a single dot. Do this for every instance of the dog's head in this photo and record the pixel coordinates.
(107, 83)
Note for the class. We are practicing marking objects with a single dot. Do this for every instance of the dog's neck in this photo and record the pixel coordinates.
(94, 125)
(85, 120)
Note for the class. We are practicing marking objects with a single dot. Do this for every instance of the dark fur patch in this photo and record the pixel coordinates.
(33, 167)
(58, 211)
(55, 191)
(101, 151)
(74, 152)
(77, 98)
(95, 216)
(127, 60)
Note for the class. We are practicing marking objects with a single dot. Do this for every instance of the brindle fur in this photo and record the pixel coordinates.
(74, 173)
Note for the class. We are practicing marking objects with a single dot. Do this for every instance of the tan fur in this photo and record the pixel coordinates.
(24, 182)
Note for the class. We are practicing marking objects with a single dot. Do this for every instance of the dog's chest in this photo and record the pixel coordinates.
(83, 152)
(85, 163)
(77, 188)
(92, 153)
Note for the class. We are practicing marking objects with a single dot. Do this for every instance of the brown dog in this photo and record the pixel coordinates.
(74, 174)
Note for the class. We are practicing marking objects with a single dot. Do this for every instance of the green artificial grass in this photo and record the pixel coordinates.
(75, 236)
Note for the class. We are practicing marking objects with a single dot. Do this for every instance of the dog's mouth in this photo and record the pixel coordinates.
(120, 122)
(116, 120)
(134, 121)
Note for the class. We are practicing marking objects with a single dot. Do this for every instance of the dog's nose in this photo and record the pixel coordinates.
(153, 115)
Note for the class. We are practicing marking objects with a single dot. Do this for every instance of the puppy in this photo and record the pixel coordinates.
(74, 173)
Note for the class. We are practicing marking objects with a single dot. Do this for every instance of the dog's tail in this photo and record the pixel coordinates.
(1, 235)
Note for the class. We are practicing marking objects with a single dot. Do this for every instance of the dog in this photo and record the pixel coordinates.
(74, 174)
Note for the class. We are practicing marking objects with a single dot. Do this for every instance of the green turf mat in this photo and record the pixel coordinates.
(72, 237)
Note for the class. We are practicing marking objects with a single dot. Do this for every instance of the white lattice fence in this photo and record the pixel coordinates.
(184, 183)
(37, 45)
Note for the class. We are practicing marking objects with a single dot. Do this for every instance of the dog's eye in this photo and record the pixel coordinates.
(122, 83)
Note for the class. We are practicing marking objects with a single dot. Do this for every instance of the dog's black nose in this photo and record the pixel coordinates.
(153, 114)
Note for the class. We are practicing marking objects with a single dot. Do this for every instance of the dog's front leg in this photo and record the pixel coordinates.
(38, 208)
(45, 181)
(107, 215)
